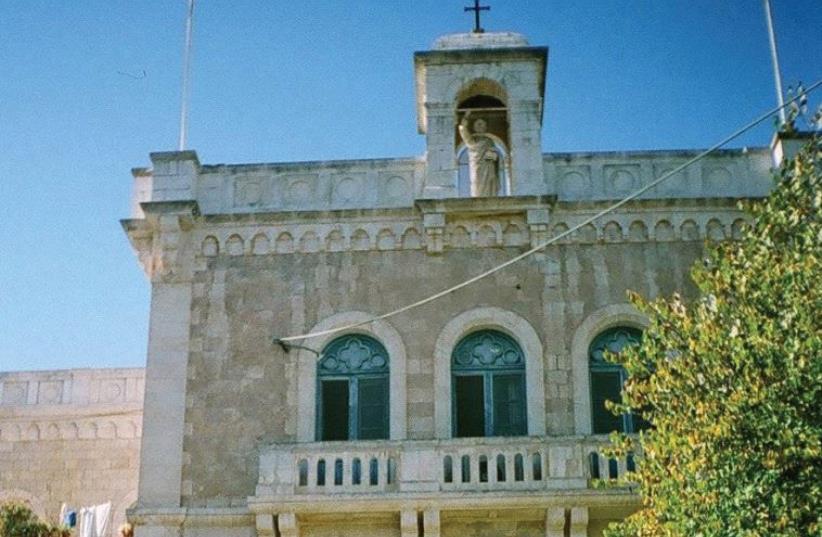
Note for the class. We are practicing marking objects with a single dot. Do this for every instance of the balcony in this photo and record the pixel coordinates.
(455, 473)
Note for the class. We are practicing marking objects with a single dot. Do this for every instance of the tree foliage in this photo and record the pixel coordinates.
(733, 381)
(17, 520)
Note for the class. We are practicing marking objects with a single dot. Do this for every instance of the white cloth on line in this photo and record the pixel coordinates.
(86, 524)
(102, 514)
(94, 520)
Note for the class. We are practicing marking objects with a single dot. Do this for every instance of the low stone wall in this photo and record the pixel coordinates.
(71, 436)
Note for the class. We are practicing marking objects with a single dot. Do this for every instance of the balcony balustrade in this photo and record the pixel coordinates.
(340, 471)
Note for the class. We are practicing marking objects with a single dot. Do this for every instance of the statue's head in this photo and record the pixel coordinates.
(480, 126)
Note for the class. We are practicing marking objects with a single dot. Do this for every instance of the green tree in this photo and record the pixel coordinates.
(17, 520)
(733, 382)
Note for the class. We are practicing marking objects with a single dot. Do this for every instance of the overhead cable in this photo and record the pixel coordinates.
(538, 247)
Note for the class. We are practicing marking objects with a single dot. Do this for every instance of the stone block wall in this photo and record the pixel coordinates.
(71, 436)
(243, 390)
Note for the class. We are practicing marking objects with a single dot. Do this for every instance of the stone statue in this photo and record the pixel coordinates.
(483, 160)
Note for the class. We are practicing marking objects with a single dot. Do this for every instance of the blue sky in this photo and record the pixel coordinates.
(280, 81)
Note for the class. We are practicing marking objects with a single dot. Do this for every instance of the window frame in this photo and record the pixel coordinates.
(353, 379)
(596, 366)
(488, 374)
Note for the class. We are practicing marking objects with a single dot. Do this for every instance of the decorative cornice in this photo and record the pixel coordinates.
(162, 239)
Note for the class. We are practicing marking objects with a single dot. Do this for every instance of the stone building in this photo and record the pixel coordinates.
(71, 437)
(479, 414)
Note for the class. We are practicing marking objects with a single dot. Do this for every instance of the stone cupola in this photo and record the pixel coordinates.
(495, 77)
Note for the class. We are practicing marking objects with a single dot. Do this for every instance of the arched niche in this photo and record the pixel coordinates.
(485, 103)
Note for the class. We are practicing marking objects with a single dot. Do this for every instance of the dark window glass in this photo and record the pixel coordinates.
(605, 386)
(470, 393)
(334, 409)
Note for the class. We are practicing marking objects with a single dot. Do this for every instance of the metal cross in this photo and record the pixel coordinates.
(476, 9)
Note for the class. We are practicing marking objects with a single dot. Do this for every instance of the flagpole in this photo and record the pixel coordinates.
(186, 77)
(780, 99)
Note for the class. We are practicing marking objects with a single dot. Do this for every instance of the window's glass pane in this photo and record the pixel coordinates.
(509, 405)
(334, 410)
(470, 403)
(373, 408)
(605, 386)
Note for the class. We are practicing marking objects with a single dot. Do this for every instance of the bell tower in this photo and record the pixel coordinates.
(481, 90)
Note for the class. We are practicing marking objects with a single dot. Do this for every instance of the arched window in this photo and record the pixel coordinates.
(488, 374)
(352, 377)
(607, 379)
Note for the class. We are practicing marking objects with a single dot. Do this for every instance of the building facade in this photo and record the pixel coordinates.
(71, 437)
(479, 414)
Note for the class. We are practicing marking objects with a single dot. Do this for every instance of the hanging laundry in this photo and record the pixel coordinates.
(94, 520)
(86, 528)
(102, 515)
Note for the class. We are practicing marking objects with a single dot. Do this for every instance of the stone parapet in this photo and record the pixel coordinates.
(399, 183)
(68, 391)
(612, 175)
(328, 475)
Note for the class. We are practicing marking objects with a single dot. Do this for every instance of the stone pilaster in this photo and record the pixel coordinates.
(555, 522)
(265, 525)
(526, 148)
(538, 220)
(409, 523)
(441, 160)
(431, 523)
(163, 243)
(434, 225)
(579, 522)
(288, 524)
